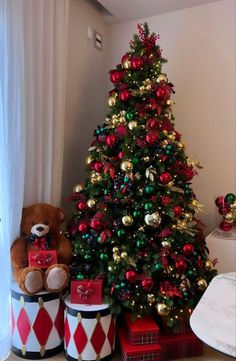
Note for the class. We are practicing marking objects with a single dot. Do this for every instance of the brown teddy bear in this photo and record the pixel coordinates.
(40, 230)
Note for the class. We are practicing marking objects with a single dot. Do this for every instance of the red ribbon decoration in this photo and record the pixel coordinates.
(83, 292)
(40, 243)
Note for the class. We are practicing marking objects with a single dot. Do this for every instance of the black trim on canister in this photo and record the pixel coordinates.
(88, 314)
(36, 355)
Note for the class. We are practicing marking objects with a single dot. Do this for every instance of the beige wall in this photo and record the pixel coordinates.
(85, 92)
(199, 44)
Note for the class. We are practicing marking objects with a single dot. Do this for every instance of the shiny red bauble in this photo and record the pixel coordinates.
(95, 224)
(180, 265)
(97, 166)
(165, 177)
(110, 140)
(225, 226)
(131, 276)
(147, 284)
(163, 93)
(188, 249)
(121, 155)
(220, 201)
(165, 200)
(83, 227)
(125, 58)
(115, 76)
(81, 205)
(224, 210)
(124, 95)
(136, 62)
(177, 211)
(152, 137)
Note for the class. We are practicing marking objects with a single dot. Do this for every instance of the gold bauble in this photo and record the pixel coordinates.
(202, 284)
(88, 159)
(122, 119)
(132, 124)
(110, 268)
(151, 298)
(229, 217)
(162, 309)
(116, 257)
(115, 249)
(127, 221)
(180, 145)
(161, 77)
(166, 244)
(149, 87)
(152, 220)
(124, 255)
(170, 103)
(126, 64)
(188, 217)
(146, 159)
(78, 188)
(91, 202)
(126, 166)
(111, 101)
(209, 265)
(140, 191)
(233, 206)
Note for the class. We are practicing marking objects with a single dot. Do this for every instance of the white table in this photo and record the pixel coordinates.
(214, 318)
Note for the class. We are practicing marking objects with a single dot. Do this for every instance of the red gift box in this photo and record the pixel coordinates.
(42, 259)
(180, 346)
(141, 331)
(87, 292)
(131, 352)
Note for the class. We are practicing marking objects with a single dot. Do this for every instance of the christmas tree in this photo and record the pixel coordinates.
(135, 220)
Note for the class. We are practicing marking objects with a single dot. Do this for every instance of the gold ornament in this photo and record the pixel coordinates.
(229, 217)
(170, 103)
(151, 298)
(152, 220)
(188, 217)
(91, 202)
(197, 206)
(115, 249)
(116, 257)
(166, 244)
(233, 206)
(126, 166)
(124, 255)
(202, 284)
(181, 145)
(146, 159)
(88, 159)
(161, 77)
(111, 101)
(140, 191)
(110, 268)
(78, 188)
(122, 119)
(126, 64)
(209, 265)
(127, 221)
(162, 309)
(132, 124)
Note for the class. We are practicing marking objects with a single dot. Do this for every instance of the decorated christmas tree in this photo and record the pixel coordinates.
(135, 219)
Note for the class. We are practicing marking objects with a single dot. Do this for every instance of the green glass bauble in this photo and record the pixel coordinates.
(150, 189)
(126, 179)
(135, 160)
(190, 273)
(79, 277)
(148, 206)
(185, 293)
(121, 232)
(122, 284)
(158, 266)
(136, 214)
(230, 198)
(140, 243)
(87, 257)
(117, 286)
(104, 256)
(129, 115)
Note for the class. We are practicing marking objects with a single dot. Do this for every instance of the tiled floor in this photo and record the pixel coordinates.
(209, 355)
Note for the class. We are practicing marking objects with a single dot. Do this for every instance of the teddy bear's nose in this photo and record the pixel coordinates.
(40, 229)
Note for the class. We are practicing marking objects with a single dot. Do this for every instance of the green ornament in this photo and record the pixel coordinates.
(86, 236)
(87, 257)
(106, 191)
(158, 266)
(167, 152)
(117, 286)
(148, 206)
(140, 243)
(122, 186)
(122, 284)
(79, 277)
(129, 115)
(188, 191)
(121, 232)
(104, 256)
(186, 186)
(185, 293)
(150, 189)
(126, 179)
(230, 198)
(99, 239)
(135, 160)
(136, 214)
(169, 147)
(190, 273)
(170, 240)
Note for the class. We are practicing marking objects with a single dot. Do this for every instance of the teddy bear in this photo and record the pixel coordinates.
(40, 230)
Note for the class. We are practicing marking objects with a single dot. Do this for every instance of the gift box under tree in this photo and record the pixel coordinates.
(141, 331)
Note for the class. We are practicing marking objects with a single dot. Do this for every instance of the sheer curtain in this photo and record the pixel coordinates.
(33, 36)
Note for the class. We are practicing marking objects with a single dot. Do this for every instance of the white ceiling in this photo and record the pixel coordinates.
(125, 10)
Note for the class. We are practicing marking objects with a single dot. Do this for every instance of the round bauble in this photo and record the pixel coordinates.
(165, 177)
(83, 227)
(229, 217)
(132, 125)
(209, 265)
(126, 63)
(152, 220)
(126, 166)
(88, 159)
(152, 137)
(151, 298)
(121, 233)
(202, 284)
(225, 226)
(95, 224)
(158, 266)
(78, 188)
(131, 276)
(110, 140)
(188, 249)
(124, 95)
(177, 211)
(81, 205)
(111, 101)
(166, 244)
(91, 202)
(230, 198)
(124, 255)
(136, 62)
(97, 166)
(147, 284)
(180, 265)
(103, 256)
(129, 115)
(115, 76)
(161, 77)
(127, 221)
(162, 309)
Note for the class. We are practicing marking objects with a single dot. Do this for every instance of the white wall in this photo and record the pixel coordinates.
(85, 91)
(199, 44)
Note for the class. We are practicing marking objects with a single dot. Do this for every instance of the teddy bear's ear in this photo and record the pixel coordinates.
(61, 214)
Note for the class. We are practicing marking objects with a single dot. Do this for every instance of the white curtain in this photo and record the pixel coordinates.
(33, 36)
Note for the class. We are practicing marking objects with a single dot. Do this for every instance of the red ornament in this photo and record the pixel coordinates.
(121, 155)
(110, 140)
(180, 265)
(165, 177)
(220, 201)
(188, 249)
(131, 276)
(125, 58)
(152, 123)
(83, 227)
(223, 210)
(81, 205)
(95, 224)
(124, 95)
(97, 166)
(225, 226)
(163, 92)
(122, 130)
(165, 200)
(115, 76)
(177, 211)
(136, 62)
(152, 136)
(147, 284)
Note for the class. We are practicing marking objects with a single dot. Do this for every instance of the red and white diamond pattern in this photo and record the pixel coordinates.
(36, 327)
(97, 336)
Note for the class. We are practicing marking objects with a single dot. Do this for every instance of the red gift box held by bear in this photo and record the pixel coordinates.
(86, 292)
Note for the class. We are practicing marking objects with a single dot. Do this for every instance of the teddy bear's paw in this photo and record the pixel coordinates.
(56, 278)
(33, 281)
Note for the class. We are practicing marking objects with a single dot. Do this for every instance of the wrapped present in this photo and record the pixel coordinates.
(42, 259)
(141, 331)
(37, 324)
(86, 292)
(89, 332)
(182, 328)
(131, 352)
(180, 346)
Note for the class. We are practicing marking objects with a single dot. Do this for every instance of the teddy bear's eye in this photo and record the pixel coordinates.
(46, 223)
(32, 223)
